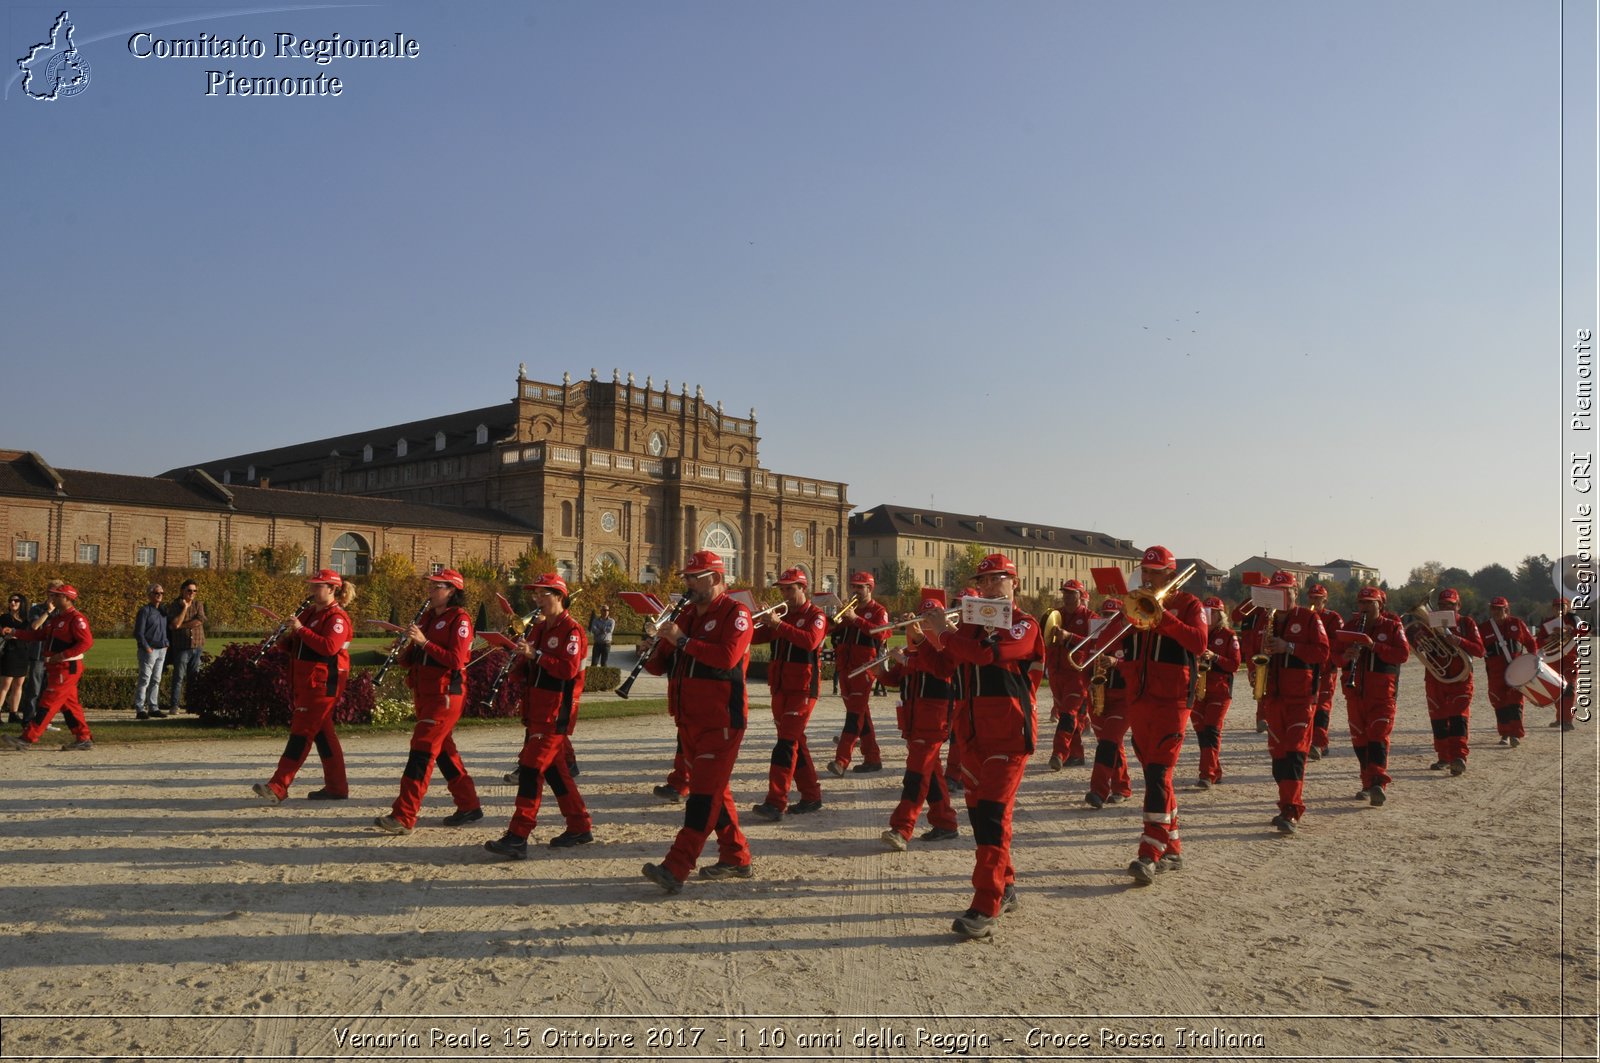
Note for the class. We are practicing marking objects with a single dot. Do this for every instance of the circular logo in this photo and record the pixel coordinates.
(1019, 630)
(1383, 638)
(1294, 629)
(440, 626)
(553, 642)
(712, 623)
(67, 73)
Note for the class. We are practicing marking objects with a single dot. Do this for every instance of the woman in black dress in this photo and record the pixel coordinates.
(13, 658)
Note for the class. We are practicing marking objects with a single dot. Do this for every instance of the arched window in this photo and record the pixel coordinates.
(721, 538)
(351, 555)
(827, 541)
(483, 433)
(400, 449)
(566, 518)
(830, 583)
(608, 558)
(438, 441)
(366, 452)
(250, 474)
(569, 572)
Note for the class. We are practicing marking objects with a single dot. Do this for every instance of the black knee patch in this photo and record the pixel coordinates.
(552, 779)
(1157, 787)
(295, 748)
(1441, 729)
(418, 764)
(450, 767)
(1065, 723)
(1362, 756)
(988, 822)
(724, 821)
(936, 789)
(1378, 754)
(911, 786)
(697, 812)
(1296, 765)
(783, 754)
(852, 723)
(324, 747)
(529, 782)
(1105, 754)
(1455, 727)
(1509, 714)
(1208, 737)
(1320, 719)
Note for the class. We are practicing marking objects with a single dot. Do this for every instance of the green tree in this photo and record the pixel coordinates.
(960, 570)
(1533, 578)
(280, 560)
(1426, 575)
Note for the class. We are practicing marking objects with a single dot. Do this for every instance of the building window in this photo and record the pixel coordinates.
(88, 554)
(608, 523)
(483, 433)
(400, 448)
(351, 555)
(566, 519)
(828, 541)
(436, 568)
(366, 452)
(199, 558)
(27, 550)
(250, 474)
(144, 555)
(300, 566)
(438, 441)
(720, 537)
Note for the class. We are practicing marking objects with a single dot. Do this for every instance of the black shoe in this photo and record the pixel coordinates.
(1458, 767)
(836, 767)
(863, 768)
(1365, 793)
(719, 871)
(1056, 763)
(1075, 762)
(1515, 741)
(667, 793)
(461, 817)
(1202, 783)
(800, 808)
(567, 839)
(324, 795)
(1439, 765)
(1094, 800)
(771, 813)
(157, 714)
(663, 878)
(940, 834)
(1261, 727)
(141, 716)
(514, 777)
(973, 926)
(510, 845)
(1117, 799)
(1313, 753)
(1143, 871)
(1505, 740)
(1569, 726)
(1284, 824)
(955, 786)
(1009, 901)
(1170, 862)
(1378, 796)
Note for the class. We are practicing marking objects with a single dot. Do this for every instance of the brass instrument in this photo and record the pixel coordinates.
(1053, 633)
(1557, 644)
(1261, 658)
(648, 646)
(879, 659)
(1144, 608)
(1097, 686)
(775, 612)
(847, 607)
(952, 615)
(1438, 654)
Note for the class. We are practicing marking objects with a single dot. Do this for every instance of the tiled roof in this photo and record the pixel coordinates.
(964, 527)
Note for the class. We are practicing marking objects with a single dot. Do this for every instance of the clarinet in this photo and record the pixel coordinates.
(511, 659)
(272, 639)
(399, 644)
(645, 651)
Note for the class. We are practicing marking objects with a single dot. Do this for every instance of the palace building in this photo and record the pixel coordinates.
(603, 472)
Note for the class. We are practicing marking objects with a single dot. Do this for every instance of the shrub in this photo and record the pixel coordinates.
(601, 677)
(230, 692)
(114, 689)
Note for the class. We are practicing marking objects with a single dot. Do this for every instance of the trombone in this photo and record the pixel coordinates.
(1141, 609)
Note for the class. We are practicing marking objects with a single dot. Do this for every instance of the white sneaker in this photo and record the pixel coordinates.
(895, 840)
(264, 792)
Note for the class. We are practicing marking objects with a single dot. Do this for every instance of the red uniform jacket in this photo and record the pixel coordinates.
(1574, 626)
(926, 692)
(1332, 623)
(1159, 663)
(1497, 653)
(857, 645)
(995, 706)
(440, 667)
(1297, 673)
(796, 644)
(706, 685)
(1384, 657)
(1219, 678)
(553, 678)
(1247, 622)
(320, 658)
(67, 635)
(1067, 682)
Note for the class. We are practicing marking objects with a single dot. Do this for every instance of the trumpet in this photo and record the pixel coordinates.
(774, 612)
(952, 615)
(1442, 658)
(855, 600)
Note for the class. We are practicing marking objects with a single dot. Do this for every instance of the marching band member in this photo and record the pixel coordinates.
(704, 654)
(1375, 650)
(66, 637)
(1298, 647)
(1159, 666)
(1249, 620)
(1109, 782)
(952, 753)
(926, 695)
(1505, 637)
(996, 719)
(793, 677)
(1069, 687)
(1450, 704)
(319, 665)
(1220, 661)
(439, 645)
(1571, 628)
(1331, 623)
(554, 651)
(857, 645)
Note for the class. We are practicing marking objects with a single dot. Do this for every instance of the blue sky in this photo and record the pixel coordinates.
(1226, 276)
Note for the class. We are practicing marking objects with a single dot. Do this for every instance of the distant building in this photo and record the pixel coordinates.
(1207, 575)
(615, 472)
(929, 541)
(1343, 571)
(1268, 565)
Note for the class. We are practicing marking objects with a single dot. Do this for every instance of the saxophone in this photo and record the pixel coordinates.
(1262, 659)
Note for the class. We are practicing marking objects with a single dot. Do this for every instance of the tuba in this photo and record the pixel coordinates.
(1443, 659)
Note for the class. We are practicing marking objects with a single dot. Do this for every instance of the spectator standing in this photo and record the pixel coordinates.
(150, 636)
(34, 687)
(601, 629)
(14, 659)
(186, 626)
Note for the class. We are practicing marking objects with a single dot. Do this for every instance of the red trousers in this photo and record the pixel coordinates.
(1158, 729)
(1450, 712)
(1288, 739)
(991, 783)
(1371, 722)
(432, 742)
(60, 695)
(1070, 719)
(791, 757)
(312, 723)
(1110, 772)
(1322, 712)
(1208, 718)
(709, 806)
(678, 777)
(543, 760)
(923, 782)
(858, 724)
(952, 759)
(1566, 705)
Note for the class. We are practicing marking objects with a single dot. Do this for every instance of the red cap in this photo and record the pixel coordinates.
(1449, 595)
(1158, 557)
(1372, 594)
(863, 579)
(1561, 603)
(328, 576)
(703, 561)
(66, 590)
(996, 564)
(1111, 607)
(450, 576)
(1074, 585)
(550, 580)
(1316, 590)
(793, 575)
(968, 592)
(1214, 602)
(1283, 578)
(932, 599)
(1498, 602)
